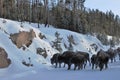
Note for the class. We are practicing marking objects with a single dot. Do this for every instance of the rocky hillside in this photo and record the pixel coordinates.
(29, 46)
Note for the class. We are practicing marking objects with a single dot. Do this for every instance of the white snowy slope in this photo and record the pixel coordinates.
(42, 69)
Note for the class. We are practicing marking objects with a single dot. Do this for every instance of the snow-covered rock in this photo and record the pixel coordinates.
(4, 61)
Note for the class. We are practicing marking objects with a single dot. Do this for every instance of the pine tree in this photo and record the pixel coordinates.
(57, 42)
(71, 42)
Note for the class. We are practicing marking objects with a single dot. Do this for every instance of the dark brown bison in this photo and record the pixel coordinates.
(102, 59)
(112, 54)
(77, 60)
(69, 58)
(118, 52)
(65, 57)
(86, 57)
(55, 59)
(94, 61)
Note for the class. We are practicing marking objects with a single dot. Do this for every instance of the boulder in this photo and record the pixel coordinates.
(22, 38)
(4, 60)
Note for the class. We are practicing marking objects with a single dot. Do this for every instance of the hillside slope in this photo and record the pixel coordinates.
(84, 43)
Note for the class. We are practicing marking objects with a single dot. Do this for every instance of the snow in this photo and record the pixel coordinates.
(63, 74)
(42, 69)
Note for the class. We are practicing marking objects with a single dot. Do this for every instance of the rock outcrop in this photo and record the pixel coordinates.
(4, 60)
(22, 38)
(42, 52)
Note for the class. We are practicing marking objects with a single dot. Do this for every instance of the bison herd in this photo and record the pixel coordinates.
(80, 59)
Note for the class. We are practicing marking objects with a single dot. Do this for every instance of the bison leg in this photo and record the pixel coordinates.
(111, 60)
(56, 65)
(69, 66)
(96, 65)
(119, 56)
(75, 66)
(89, 62)
(106, 66)
(85, 63)
(92, 65)
(114, 59)
(59, 65)
(101, 66)
(84, 66)
(79, 67)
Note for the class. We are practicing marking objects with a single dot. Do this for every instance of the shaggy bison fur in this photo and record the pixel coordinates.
(55, 60)
(77, 60)
(118, 52)
(66, 57)
(69, 58)
(111, 54)
(102, 59)
(86, 57)
(94, 61)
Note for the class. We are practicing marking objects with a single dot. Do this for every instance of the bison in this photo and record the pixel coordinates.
(86, 57)
(112, 54)
(118, 52)
(94, 61)
(69, 58)
(77, 60)
(65, 57)
(55, 59)
(102, 59)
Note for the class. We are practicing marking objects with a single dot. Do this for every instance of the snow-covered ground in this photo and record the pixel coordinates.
(112, 73)
(42, 69)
